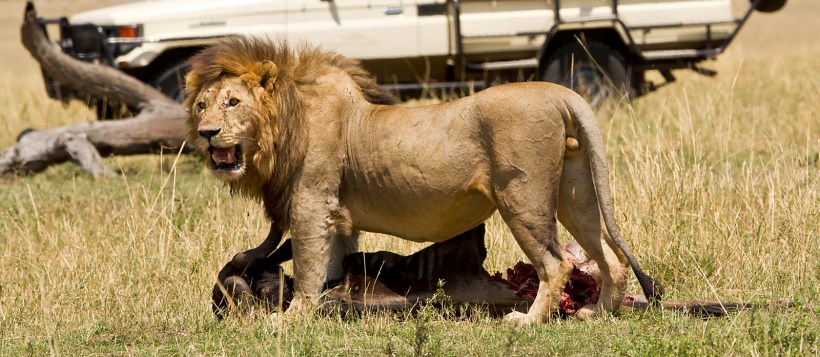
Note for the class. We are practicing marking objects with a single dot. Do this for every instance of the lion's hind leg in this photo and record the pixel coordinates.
(578, 211)
(538, 238)
(528, 206)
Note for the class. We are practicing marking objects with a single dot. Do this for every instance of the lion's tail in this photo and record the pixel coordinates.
(590, 136)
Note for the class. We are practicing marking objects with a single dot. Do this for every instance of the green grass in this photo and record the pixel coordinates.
(716, 190)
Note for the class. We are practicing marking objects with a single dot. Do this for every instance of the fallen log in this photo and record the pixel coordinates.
(159, 124)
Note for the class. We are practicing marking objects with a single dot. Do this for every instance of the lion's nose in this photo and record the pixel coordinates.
(208, 133)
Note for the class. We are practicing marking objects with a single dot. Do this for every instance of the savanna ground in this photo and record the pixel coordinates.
(716, 189)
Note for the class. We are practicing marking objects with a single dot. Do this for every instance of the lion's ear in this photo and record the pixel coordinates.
(268, 72)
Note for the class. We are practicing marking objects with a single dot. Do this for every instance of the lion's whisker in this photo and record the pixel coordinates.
(246, 138)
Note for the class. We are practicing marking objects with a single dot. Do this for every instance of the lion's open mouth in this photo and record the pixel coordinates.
(226, 159)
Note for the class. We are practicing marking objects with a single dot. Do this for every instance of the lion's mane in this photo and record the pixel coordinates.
(280, 112)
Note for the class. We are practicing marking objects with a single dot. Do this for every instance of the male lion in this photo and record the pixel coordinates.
(308, 133)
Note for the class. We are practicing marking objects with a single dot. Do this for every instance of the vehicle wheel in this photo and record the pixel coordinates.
(171, 80)
(604, 77)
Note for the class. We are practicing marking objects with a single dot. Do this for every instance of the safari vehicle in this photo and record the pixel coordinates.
(600, 48)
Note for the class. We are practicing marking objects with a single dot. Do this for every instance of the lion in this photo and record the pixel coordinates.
(309, 134)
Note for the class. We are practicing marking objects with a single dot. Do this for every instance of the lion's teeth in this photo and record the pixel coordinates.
(224, 155)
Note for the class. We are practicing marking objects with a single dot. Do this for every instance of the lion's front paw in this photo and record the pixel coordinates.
(300, 307)
(522, 319)
(589, 311)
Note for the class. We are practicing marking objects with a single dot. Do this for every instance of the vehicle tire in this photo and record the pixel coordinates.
(604, 77)
(171, 80)
(769, 5)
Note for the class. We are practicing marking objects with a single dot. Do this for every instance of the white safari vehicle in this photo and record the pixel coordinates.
(593, 46)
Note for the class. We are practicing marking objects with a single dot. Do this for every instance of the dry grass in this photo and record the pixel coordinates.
(716, 189)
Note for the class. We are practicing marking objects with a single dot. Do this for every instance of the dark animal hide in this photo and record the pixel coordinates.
(388, 281)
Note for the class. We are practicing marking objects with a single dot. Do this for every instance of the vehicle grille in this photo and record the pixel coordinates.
(86, 41)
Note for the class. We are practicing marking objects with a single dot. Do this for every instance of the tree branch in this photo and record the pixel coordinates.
(160, 122)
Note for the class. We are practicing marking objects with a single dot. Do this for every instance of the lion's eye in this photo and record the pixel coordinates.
(233, 102)
(201, 105)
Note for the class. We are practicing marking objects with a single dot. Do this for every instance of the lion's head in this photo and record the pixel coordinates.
(244, 96)
(225, 121)
(246, 116)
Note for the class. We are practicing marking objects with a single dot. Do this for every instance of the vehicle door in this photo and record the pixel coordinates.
(363, 29)
(250, 17)
(491, 26)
